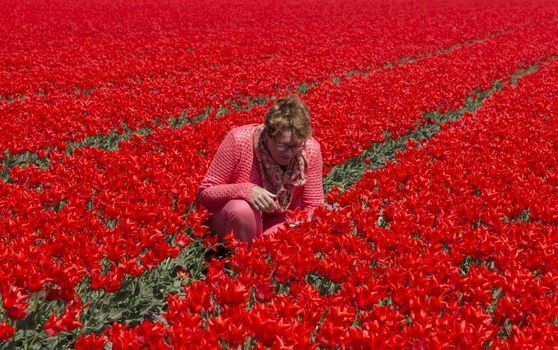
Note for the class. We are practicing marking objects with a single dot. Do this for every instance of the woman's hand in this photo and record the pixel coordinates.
(263, 200)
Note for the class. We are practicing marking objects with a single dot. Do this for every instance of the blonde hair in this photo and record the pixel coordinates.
(289, 113)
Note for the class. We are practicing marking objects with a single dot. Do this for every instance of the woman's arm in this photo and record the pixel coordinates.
(216, 189)
(313, 194)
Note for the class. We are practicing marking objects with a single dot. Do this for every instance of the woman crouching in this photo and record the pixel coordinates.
(262, 170)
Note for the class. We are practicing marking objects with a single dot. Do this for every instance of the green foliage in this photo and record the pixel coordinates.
(182, 119)
(283, 288)
(305, 87)
(222, 111)
(382, 222)
(179, 121)
(506, 330)
(496, 294)
(251, 101)
(388, 65)
(30, 334)
(523, 217)
(356, 71)
(466, 265)
(144, 297)
(322, 284)
(404, 60)
(386, 302)
(22, 160)
(107, 142)
(137, 299)
(59, 205)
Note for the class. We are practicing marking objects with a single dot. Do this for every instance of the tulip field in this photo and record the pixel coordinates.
(438, 126)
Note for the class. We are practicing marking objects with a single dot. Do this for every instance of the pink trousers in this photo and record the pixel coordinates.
(245, 221)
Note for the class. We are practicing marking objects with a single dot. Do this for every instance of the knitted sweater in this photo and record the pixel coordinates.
(234, 172)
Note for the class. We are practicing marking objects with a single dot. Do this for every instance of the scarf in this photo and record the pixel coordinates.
(275, 179)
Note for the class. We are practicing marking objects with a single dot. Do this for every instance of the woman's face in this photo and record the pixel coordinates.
(281, 147)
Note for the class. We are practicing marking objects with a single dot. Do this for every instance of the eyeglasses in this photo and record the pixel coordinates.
(283, 147)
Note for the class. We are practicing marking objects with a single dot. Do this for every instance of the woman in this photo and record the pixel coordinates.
(260, 171)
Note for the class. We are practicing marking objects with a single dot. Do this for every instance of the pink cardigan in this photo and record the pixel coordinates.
(234, 172)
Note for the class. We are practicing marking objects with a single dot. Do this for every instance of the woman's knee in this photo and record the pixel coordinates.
(238, 216)
(239, 209)
(272, 224)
